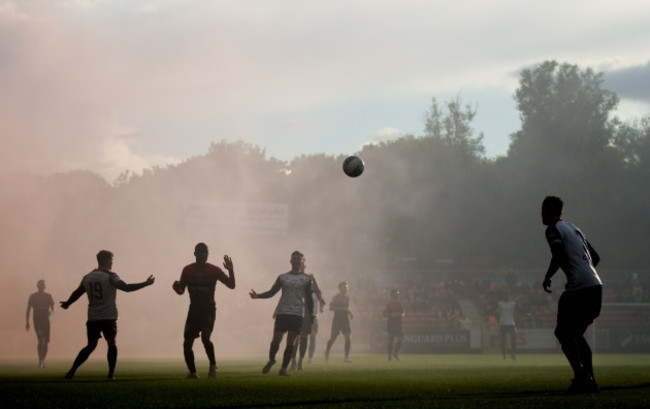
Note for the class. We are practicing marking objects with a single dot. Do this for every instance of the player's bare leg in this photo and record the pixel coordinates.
(348, 345)
(304, 339)
(42, 351)
(312, 346)
(398, 345)
(209, 350)
(188, 354)
(329, 346)
(81, 358)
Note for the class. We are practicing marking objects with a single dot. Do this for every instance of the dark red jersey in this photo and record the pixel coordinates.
(201, 282)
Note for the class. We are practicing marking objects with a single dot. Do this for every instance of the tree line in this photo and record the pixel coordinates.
(424, 201)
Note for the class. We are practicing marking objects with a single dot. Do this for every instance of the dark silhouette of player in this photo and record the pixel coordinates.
(340, 304)
(200, 278)
(394, 311)
(101, 285)
(43, 306)
(580, 303)
(296, 304)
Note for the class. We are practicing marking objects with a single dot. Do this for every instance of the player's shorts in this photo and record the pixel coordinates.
(42, 328)
(287, 322)
(95, 329)
(307, 327)
(394, 327)
(341, 323)
(507, 329)
(198, 322)
(577, 309)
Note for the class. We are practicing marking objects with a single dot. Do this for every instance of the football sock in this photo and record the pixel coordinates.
(273, 350)
(189, 359)
(312, 345)
(111, 356)
(209, 350)
(81, 358)
(303, 348)
(286, 358)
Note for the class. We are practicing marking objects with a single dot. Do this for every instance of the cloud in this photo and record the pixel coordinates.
(383, 135)
(180, 74)
(630, 82)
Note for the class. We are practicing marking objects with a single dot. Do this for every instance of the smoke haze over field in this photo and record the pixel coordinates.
(91, 90)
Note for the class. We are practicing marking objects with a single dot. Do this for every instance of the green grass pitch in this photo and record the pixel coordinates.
(419, 381)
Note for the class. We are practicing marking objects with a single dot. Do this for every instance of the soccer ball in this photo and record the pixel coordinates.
(353, 166)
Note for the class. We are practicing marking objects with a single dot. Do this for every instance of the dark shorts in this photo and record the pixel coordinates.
(198, 322)
(577, 309)
(95, 329)
(42, 328)
(341, 323)
(394, 327)
(287, 322)
(507, 329)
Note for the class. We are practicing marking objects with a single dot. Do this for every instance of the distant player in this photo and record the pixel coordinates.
(100, 286)
(43, 306)
(200, 279)
(296, 305)
(340, 304)
(394, 311)
(506, 315)
(309, 328)
(581, 301)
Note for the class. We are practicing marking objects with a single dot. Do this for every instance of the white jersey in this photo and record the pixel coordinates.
(295, 290)
(100, 289)
(577, 263)
(506, 311)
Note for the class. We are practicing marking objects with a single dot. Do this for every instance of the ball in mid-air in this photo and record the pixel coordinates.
(353, 166)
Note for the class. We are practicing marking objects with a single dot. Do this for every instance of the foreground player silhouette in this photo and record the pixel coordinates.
(295, 305)
(201, 278)
(581, 301)
(43, 305)
(101, 285)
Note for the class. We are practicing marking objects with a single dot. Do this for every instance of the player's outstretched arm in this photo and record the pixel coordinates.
(121, 285)
(277, 286)
(73, 297)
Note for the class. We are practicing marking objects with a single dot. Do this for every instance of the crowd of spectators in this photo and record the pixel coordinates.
(436, 304)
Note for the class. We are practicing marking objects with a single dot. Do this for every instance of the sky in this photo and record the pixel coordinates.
(116, 85)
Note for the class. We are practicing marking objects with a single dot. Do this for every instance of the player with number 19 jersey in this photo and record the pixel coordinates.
(101, 289)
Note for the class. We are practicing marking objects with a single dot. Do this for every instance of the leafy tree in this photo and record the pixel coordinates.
(565, 114)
